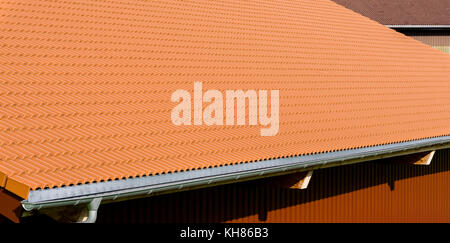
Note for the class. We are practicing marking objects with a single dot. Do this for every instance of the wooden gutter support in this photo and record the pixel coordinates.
(299, 180)
(423, 158)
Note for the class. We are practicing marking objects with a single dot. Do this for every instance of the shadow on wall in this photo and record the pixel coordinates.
(359, 192)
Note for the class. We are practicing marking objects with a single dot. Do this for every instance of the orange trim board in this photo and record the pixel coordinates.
(86, 86)
(3, 178)
(20, 189)
(17, 188)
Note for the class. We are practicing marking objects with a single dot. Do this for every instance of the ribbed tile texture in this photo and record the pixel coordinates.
(86, 85)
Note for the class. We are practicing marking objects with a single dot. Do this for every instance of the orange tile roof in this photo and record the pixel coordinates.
(86, 85)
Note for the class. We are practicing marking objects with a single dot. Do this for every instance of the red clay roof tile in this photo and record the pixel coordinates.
(86, 85)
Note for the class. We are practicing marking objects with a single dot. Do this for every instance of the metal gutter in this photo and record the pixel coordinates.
(126, 189)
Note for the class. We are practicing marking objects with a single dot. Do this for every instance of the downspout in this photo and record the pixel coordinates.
(92, 208)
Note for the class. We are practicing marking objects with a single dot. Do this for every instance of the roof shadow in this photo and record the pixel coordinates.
(234, 201)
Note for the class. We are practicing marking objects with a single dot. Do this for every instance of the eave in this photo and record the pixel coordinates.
(125, 189)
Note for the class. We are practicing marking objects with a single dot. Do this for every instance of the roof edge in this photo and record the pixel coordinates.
(16, 187)
(125, 189)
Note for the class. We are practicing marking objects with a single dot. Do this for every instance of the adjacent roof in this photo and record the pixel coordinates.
(86, 85)
(402, 12)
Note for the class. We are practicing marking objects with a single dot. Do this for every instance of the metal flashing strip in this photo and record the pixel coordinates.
(144, 186)
(418, 26)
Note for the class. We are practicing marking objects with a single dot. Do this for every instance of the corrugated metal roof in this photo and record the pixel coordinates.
(402, 12)
(86, 85)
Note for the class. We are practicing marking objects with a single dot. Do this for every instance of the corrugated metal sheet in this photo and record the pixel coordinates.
(440, 42)
(85, 86)
(377, 191)
(437, 38)
(402, 12)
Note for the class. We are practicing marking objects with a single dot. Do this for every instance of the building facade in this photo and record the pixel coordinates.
(374, 191)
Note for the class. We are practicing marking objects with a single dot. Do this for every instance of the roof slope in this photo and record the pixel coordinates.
(86, 85)
(402, 12)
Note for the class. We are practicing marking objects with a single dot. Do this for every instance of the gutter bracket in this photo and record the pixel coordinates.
(422, 158)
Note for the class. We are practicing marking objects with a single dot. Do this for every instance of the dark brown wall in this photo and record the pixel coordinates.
(10, 206)
(375, 191)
